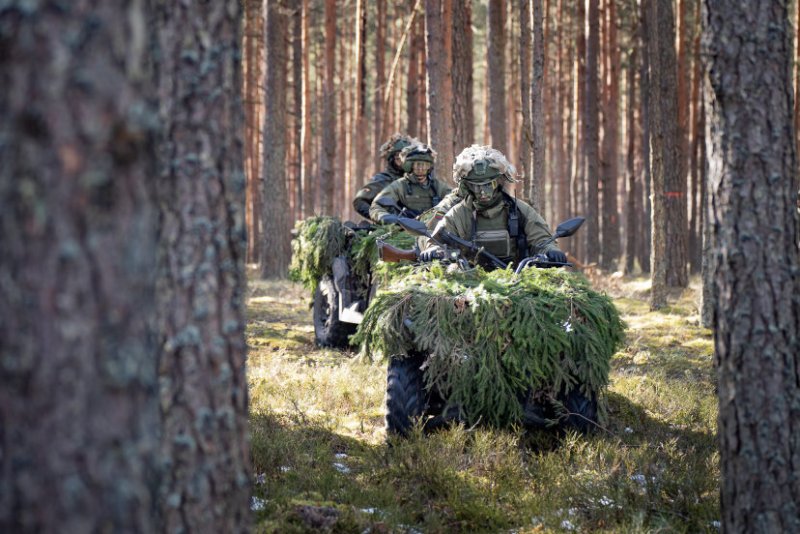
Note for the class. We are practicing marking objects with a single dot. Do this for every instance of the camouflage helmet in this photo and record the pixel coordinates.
(395, 144)
(480, 164)
(416, 152)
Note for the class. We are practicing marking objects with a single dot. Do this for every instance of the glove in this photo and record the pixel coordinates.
(389, 219)
(430, 254)
(556, 256)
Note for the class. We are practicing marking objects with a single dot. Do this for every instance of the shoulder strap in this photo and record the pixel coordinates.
(516, 226)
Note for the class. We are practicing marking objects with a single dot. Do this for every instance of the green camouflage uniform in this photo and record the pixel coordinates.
(365, 196)
(411, 195)
(489, 227)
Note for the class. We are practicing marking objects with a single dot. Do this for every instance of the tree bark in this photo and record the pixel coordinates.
(277, 252)
(633, 204)
(536, 183)
(463, 120)
(610, 251)
(578, 203)
(326, 174)
(296, 162)
(306, 182)
(439, 40)
(496, 61)
(380, 82)
(645, 236)
(525, 65)
(359, 133)
(591, 133)
(78, 359)
(753, 186)
(201, 274)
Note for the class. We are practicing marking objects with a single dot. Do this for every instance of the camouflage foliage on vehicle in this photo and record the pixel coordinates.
(494, 337)
(318, 240)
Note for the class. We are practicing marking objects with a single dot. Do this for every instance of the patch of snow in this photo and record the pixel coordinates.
(567, 525)
(370, 510)
(340, 456)
(628, 430)
(260, 479)
(567, 326)
(605, 501)
(639, 479)
(715, 524)
(286, 468)
(341, 467)
(257, 504)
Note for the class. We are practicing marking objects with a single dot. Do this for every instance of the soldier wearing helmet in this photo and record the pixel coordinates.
(489, 217)
(390, 153)
(417, 190)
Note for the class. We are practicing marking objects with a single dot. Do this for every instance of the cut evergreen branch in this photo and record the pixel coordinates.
(493, 338)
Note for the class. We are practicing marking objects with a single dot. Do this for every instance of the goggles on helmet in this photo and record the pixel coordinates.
(484, 189)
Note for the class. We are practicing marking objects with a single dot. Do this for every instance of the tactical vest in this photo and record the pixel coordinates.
(502, 232)
(418, 198)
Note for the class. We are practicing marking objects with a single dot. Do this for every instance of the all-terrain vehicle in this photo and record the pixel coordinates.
(343, 293)
(413, 392)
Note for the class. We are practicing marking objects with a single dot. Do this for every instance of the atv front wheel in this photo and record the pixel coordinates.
(405, 394)
(329, 331)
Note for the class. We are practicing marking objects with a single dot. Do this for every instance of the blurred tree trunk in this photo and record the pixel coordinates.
(415, 46)
(463, 120)
(328, 138)
(663, 140)
(753, 188)
(254, 39)
(578, 202)
(296, 166)
(645, 233)
(78, 359)
(496, 62)
(633, 202)
(359, 130)
(201, 276)
(525, 65)
(380, 85)
(439, 56)
(536, 183)
(610, 251)
(307, 183)
(275, 204)
(559, 174)
(591, 133)
(568, 121)
(695, 210)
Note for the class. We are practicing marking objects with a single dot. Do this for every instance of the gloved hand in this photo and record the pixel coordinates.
(430, 254)
(556, 256)
(389, 219)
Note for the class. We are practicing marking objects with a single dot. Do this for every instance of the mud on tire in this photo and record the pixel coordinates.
(329, 331)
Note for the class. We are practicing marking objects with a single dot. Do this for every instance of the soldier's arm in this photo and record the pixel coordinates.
(365, 196)
(536, 229)
(376, 211)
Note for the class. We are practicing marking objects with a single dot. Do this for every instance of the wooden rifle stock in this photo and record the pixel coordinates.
(391, 254)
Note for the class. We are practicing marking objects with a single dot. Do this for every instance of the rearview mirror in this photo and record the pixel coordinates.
(569, 227)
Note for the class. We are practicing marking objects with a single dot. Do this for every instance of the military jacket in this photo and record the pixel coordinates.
(365, 196)
(489, 228)
(411, 195)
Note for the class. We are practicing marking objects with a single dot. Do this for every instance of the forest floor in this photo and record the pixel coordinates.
(322, 462)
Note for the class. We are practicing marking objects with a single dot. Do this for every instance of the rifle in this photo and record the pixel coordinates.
(391, 254)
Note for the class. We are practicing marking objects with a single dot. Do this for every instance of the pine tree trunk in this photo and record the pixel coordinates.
(525, 65)
(275, 200)
(496, 62)
(632, 207)
(439, 40)
(753, 188)
(296, 163)
(536, 183)
(591, 133)
(695, 228)
(645, 235)
(579, 161)
(380, 83)
(359, 133)
(412, 85)
(610, 252)
(463, 120)
(78, 358)
(201, 277)
(326, 173)
(306, 180)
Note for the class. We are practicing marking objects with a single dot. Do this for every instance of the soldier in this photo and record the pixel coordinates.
(390, 153)
(416, 191)
(489, 217)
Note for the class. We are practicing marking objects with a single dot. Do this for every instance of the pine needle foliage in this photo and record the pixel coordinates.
(493, 338)
(321, 239)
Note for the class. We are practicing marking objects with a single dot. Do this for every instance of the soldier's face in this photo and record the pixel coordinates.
(397, 161)
(483, 192)
(421, 168)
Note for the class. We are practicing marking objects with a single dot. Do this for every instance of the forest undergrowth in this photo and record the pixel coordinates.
(322, 461)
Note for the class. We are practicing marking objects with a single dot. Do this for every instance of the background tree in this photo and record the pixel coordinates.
(753, 160)
(201, 280)
(439, 41)
(463, 118)
(275, 201)
(328, 144)
(591, 132)
(78, 414)
(610, 251)
(496, 74)
(537, 108)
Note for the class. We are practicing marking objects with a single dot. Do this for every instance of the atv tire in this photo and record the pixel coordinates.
(405, 394)
(581, 411)
(329, 331)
